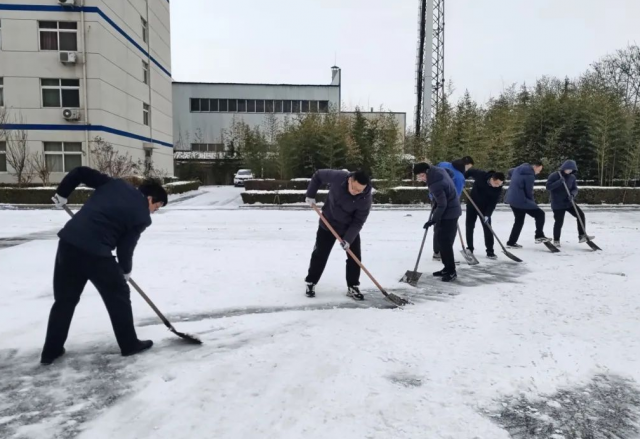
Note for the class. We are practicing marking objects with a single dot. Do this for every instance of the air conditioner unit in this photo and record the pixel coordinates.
(68, 57)
(71, 114)
(67, 2)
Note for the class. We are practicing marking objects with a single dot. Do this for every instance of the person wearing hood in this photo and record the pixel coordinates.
(346, 209)
(445, 213)
(486, 191)
(561, 202)
(520, 197)
(458, 168)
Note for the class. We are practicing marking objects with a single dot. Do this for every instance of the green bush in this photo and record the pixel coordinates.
(181, 187)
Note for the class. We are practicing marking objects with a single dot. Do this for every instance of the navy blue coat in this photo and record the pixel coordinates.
(443, 192)
(520, 191)
(345, 213)
(559, 197)
(113, 218)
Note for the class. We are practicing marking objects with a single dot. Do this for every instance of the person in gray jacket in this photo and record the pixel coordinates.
(346, 209)
(445, 214)
(561, 202)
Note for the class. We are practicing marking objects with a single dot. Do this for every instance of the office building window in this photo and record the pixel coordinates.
(1, 92)
(257, 106)
(145, 113)
(145, 72)
(145, 30)
(268, 106)
(3, 157)
(278, 105)
(233, 105)
(60, 92)
(286, 106)
(251, 105)
(195, 104)
(260, 106)
(222, 105)
(213, 105)
(204, 105)
(208, 148)
(58, 35)
(62, 157)
(323, 106)
(242, 105)
(305, 106)
(295, 106)
(313, 106)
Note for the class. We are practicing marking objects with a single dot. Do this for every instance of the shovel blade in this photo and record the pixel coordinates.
(469, 258)
(397, 300)
(411, 277)
(511, 256)
(188, 338)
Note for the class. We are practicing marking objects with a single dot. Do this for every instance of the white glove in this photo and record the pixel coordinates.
(345, 245)
(310, 201)
(59, 201)
(127, 276)
(486, 219)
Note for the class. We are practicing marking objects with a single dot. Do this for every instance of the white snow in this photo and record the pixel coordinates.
(277, 364)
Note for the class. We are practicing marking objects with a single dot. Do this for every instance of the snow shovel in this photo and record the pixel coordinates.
(504, 249)
(591, 244)
(390, 296)
(468, 256)
(412, 277)
(189, 338)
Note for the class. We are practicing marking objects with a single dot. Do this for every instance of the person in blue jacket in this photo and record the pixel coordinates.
(459, 168)
(520, 197)
(561, 202)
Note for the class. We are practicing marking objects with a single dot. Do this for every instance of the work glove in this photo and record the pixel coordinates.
(127, 276)
(310, 201)
(428, 224)
(59, 201)
(487, 219)
(345, 245)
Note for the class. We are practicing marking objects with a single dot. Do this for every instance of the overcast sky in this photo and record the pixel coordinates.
(489, 44)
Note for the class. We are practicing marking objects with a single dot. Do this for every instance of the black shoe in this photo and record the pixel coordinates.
(354, 293)
(46, 360)
(139, 348)
(514, 246)
(448, 277)
(311, 290)
(492, 255)
(440, 273)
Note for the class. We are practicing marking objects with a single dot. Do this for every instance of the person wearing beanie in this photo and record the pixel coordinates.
(114, 217)
(445, 213)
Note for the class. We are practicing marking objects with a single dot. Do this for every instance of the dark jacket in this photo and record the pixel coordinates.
(559, 197)
(483, 194)
(443, 192)
(113, 218)
(345, 213)
(520, 191)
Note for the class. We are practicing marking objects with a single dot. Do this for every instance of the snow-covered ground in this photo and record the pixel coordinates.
(277, 364)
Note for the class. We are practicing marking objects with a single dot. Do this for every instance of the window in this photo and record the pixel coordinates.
(208, 148)
(260, 106)
(1, 92)
(323, 106)
(278, 106)
(145, 113)
(145, 72)
(268, 106)
(204, 105)
(313, 106)
(145, 30)
(233, 105)
(251, 105)
(242, 105)
(213, 105)
(62, 157)
(58, 35)
(305, 106)
(3, 157)
(286, 106)
(295, 106)
(222, 105)
(195, 104)
(60, 92)
(0, 34)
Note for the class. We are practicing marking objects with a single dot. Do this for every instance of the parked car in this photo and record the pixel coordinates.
(241, 176)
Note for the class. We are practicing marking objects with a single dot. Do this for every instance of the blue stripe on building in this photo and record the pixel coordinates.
(62, 127)
(92, 9)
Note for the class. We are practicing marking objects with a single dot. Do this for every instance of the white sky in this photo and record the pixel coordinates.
(488, 43)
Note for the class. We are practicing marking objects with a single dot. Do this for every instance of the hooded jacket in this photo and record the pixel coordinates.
(520, 192)
(559, 197)
(443, 192)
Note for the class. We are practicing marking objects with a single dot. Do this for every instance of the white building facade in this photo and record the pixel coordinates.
(72, 71)
(202, 112)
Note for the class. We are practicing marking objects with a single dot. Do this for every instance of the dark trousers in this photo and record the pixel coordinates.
(446, 236)
(436, 239)
(73, 268)
(472, 216)
(558, 216)
(321, 251)
(537, 214)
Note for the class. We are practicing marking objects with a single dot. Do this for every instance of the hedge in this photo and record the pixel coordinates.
(276, 185)
(42, 195)
(412, 196)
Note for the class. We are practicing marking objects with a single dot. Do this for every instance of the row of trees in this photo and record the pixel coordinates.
(594, 119)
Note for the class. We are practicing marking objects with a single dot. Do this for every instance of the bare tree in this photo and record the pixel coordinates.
(18, 156)
(107, 160)
(4, 120)
(40, 168)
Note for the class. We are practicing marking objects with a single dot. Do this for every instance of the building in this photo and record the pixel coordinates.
(74, 70)
(202, 112)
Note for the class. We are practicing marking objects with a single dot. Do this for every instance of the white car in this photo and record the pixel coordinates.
(241, 176)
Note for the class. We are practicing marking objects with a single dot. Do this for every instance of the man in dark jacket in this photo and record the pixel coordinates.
(486, 191)
(520, 197)
(445, 212)
(113, 218)
(561, 202)
(346, 209)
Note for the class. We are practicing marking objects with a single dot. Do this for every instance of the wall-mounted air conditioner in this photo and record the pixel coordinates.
(68, 57)
(67, 2)
(71, 114)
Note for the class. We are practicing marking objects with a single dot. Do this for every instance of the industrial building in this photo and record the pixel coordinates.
(75, 70)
